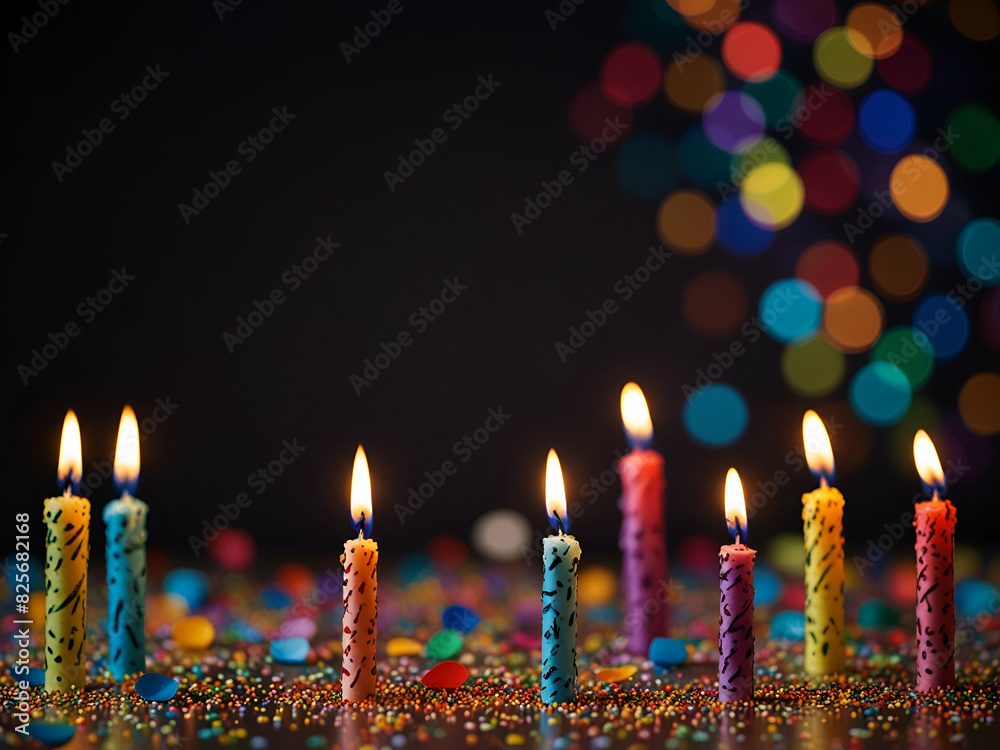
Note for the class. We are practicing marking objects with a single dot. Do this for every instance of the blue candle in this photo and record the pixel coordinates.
(126, 558)
(560, 560)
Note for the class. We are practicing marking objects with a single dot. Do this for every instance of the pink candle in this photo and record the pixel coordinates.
(736, 601)
(642, 537)
(935, 522)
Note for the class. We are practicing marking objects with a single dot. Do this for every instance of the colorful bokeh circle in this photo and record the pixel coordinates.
(790, 310)
(886, 121)
(828, 265)
(908, 350)
(690, 83)
(919, 188)
(715, 415)
(899, 266)
(813, 367)
(874, 30)
(837, 60)
(733, 121)
(979, 403)
(751, 51)
(880, 394)
(772, 195)
(978, 251)
(853, 319)
(944, 323)
(832, 181)
(685, 222)
(630, 75)
(978, 146)
(737, 233)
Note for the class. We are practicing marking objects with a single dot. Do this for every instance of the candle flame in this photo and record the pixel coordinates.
(819, 452)
(555, 493)
(361, 495)
(635, 415)
(736, 508)
(70, 470)
(127, 452)
(928, 464)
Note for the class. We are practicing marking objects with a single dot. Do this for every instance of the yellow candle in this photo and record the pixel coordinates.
(823, 517)
(67, 551)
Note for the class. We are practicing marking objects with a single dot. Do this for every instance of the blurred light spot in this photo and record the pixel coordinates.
(685, 222)
(909, 69)
(733, 121)
(804, 20)
(978, 148)
(736, 232)
(828, 265)
(777, 96)
(597, 585)
(630, 75)
(790, 310)
(899, 266)
(813, 367)
(978, 248)
(714, 303)
(589, 110)
(786, 553)
(874, 30)
(718, 18)
(979, 403)
(919, 188)
(689, 83)
(701, 161)
(751, 51)
(989, 319)
(853, 319)
(772, 195)
(880, 394)
(976, 19)
(945, 325)
(767, 150)
(692, 7)
(716, 416)
(832, 181)
(908, 350)
(825, 117)
(886, 121)
(838, 62)
(646, 167)
(499, 535)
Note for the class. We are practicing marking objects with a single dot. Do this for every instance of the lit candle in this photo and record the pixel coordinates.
(935, 522)
(823, 517)
(642, 537)
(125, 554)
(560, 562)
(359, 561)
(67, 551)
(736, 601)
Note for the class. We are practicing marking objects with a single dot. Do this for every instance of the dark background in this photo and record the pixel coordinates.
(494, 347)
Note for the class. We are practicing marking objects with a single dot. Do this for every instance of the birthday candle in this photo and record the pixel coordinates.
(736, 601)
(560, 562)
(642, 536)
(126, 557)
(935, 522)
(67, 551)
(359, 561)
(823, 516)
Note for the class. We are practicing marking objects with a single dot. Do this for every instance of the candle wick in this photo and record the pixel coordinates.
(822, 483)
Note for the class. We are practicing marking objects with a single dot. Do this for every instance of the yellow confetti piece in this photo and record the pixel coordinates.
(617, 674)
(403, 647)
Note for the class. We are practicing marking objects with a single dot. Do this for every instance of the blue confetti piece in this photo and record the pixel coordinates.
(290, 650)
(156, 687)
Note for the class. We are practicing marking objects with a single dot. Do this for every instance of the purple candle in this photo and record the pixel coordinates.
(735, 601)
(642, 537)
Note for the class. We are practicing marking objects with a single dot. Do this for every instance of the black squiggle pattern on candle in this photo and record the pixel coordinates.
(561, 559)
(67, 553)
(736, 639)
(823, 514)
(935, 522)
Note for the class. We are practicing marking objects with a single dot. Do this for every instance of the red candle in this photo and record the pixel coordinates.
(736, 601)
(935, 522)
(642, 537)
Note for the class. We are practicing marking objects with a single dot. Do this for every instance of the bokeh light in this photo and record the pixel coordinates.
(813, 367)
(978, 148)
(853, 319)
(825, 117)
(499, 534)
(733, 121)
(874, 30)
(880, 394)
(899, 266)
(685, 222)
(751, 51)
(790, 310)
(919, 188)
(977, 250)
(908, 350)
(909, 70)
(828, 265)
(838, 62)
(714, 303)
(766, 150)
(886, 121)
(647, 166)
(804, 20)
(778, 96)
(630, 75)
(772, 195)
(979, 403)
(691, 7)
(976, 19)
(736, 232)
(588, 112)
(701, 161)
(718, 18)
(716, 416)
(944, 323)
(832, 181)
(690, 83)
